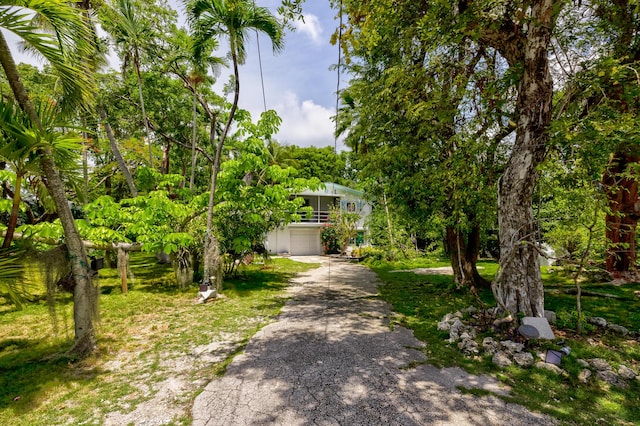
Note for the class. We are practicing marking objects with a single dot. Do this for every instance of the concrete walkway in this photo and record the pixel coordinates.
(331, 359)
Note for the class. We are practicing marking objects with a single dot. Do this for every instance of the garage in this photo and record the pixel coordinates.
(305, 242)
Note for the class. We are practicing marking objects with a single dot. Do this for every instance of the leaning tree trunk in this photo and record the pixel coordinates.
(85, 293)
(621, 186)
(464, 257)
(518, 285)
(116, 152)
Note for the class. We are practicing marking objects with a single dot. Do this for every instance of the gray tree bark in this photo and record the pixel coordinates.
(518, 284)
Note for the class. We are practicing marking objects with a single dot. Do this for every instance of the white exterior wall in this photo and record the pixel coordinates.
(303, 238)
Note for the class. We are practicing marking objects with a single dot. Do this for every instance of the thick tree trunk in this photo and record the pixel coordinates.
(518, 285)
(85, 293)
(622, 193)
(116, 152)
(464, 257)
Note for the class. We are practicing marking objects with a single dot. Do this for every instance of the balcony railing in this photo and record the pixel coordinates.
(317, 216)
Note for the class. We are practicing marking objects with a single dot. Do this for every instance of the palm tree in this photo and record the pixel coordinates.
(132, 33)
(69, 41)
(233, 19)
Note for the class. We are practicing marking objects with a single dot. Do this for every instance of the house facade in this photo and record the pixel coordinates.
(303, 238)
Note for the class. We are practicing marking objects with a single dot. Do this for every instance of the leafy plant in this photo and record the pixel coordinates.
(329, 238)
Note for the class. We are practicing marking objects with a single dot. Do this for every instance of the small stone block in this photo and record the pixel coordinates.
(542, 325)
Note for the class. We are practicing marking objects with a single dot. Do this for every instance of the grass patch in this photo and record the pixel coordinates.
(420, 301)
(143, 336)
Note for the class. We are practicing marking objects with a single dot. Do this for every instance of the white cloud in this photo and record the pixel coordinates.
(305, 123)
(311, 27)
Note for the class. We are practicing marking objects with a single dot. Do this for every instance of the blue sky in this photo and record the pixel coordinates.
(299, 83)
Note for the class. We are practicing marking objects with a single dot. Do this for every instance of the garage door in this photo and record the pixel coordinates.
(305, 242)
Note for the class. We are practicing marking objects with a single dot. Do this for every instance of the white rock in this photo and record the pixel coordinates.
(584, 375)
(523, 359)
(600, 364)
(501, 359)
(549, 367)
(444, 326)
(512, 347)
(599, 321)
(626, 373)
(618, 329)
(583, 363)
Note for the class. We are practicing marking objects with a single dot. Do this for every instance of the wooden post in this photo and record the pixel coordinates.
(122, 266)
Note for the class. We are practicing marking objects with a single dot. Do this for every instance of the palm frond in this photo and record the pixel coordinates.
(60, 34)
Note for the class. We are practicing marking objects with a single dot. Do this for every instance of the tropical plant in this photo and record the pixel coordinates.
(64, 44)
(233, 19)
(132, 33)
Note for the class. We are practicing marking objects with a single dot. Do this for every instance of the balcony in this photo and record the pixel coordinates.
(317, 216)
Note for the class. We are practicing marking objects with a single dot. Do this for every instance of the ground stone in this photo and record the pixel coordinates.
(608, 376)
(501, 359)
(444, 326)
(512, 347)
(457, 325)
(626, 373)
(618, 329)
(468, 346)
(523, 359)
(550, 316)
(600, 364)
(490, 346)
(549, 367)
(584, 375)
(599, 321)
(583, 363)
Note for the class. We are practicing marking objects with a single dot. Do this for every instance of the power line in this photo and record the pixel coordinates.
(335, 139)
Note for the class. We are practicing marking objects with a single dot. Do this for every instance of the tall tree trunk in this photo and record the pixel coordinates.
(84, 293)
(15, 210)
(136, 63)
(621, 187)
(116, 152)
(194, 141)
(464, 257)
(212, 255)
(518, 285)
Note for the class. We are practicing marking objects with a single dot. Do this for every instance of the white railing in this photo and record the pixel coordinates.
(317, 216)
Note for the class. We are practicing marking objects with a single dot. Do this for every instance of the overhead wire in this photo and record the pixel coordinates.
(335, 139)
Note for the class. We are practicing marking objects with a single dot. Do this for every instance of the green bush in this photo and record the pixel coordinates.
(568, 320)
(330, 240)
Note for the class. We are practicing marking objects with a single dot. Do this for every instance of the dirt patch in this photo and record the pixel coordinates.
(165, 384)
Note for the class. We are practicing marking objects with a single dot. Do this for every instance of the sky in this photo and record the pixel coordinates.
(299, 82)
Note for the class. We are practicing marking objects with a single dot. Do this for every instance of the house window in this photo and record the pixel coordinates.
(351, 207)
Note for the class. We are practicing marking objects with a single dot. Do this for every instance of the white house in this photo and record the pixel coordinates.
(303, 237)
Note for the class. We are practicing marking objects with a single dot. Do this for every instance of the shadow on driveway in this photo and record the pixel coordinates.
(331, 359)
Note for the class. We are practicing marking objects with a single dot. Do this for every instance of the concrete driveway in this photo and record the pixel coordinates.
(331, 359)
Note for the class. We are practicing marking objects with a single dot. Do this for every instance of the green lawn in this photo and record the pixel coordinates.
(422, 300)
(142, 336)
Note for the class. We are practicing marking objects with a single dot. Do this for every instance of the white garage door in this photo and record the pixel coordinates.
(305, 242)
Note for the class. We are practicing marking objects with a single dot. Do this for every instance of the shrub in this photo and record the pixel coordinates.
(330, 240)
